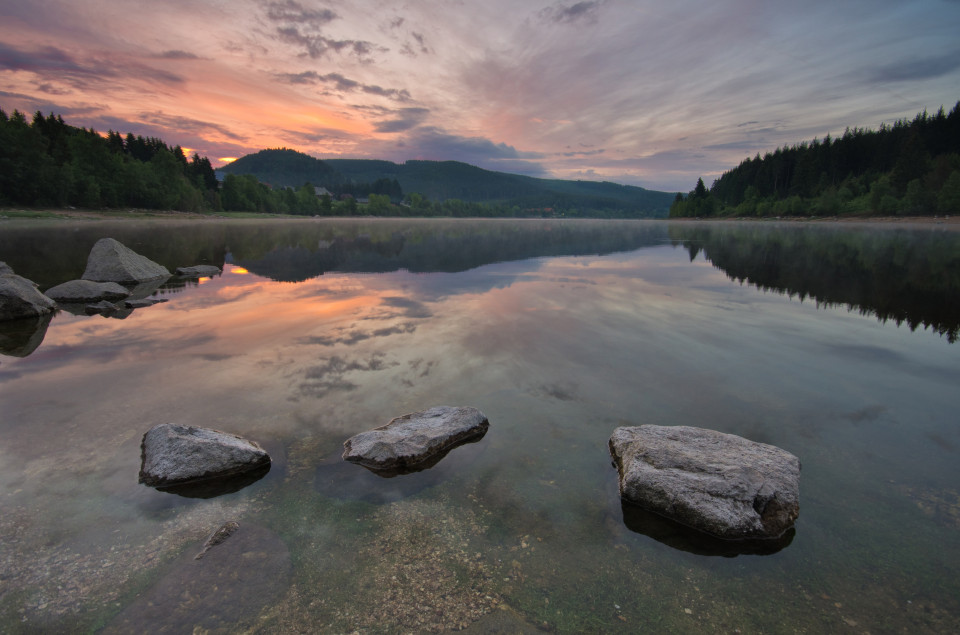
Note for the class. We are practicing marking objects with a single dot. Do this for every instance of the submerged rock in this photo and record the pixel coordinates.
(111, 261)
(719, 483)
(19, 298)
(411, 442)
(87, 291)
(198, 271)
(172, 454)
(19, 338)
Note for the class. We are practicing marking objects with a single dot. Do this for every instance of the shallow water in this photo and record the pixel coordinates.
(558, 332)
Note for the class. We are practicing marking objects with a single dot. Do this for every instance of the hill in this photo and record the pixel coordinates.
(910, 168)
(446, 180)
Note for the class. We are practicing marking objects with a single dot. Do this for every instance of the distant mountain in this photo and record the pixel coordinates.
(442, 180)
(282, 168)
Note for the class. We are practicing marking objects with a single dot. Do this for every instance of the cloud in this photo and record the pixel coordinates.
(55, 64)
(344, 84)
(185, 124)
(580, 11)
(916, 69)
(290, 11)
(408, 118)
(178, 55)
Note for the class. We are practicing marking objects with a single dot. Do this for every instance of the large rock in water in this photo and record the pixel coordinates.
(111, 261)
(172, 454)
(78, 291)
(416, 438)
(19, 298)
(719, 483)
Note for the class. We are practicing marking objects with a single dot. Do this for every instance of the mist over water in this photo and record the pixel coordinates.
(834, 343)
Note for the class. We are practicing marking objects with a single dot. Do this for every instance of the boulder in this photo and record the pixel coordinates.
(172, 454)
(198, 271)
(722, 484)
(111, 261)
(142, 303)
(77, 291)
(19, 298)
(5, 268)
(414, 439)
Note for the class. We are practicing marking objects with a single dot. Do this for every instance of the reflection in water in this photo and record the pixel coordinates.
(211, 488)
(910, 277)
(559, 351)
(19, 338)
(679, 536)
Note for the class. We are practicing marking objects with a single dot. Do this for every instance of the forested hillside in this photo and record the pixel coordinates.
(45, 162)
(909, 168)
(441, 184)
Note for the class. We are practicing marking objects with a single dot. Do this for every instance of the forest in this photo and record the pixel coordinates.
(44, 162)
(910, 168)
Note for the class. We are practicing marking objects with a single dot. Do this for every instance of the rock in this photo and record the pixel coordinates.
(142, 303)
(198, 271)
(5, 268)
(110, 261)
(218, 537)
(19, 298)
(87, 291)
(414, 439)
(172, 454)
(719, 483)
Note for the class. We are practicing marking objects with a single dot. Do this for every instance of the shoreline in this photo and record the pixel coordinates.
(7, 214)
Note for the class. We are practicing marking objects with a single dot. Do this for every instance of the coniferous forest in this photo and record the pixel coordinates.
(910, 168)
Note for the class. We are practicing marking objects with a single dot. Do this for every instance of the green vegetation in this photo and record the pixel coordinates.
(45, 162)
(448, 188)
(911, 168)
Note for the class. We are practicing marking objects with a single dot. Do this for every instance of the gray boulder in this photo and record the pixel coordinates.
(198, 271)
(87, 291)
(172, 454)
(19, 298)
(5, 268)
(719, 483)
(110, 261)
(416, 438)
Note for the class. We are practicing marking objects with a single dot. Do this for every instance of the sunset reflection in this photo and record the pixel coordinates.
(238, 270)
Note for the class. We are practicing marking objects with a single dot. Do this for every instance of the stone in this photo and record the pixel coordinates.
(111, 261)
(142, 303)
(172, 454)
(19, 298)
(198, 271)
(415, 439)
(19, 338)
(5, 268)
(722, 484)
(77, 291)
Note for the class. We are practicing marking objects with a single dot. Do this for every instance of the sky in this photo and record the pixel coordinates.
(642, 92)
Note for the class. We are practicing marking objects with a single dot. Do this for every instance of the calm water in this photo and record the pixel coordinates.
(833, 343)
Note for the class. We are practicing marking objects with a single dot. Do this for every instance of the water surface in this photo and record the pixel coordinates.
(833, 343)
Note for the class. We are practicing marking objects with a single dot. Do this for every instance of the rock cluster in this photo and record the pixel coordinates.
(719, 483)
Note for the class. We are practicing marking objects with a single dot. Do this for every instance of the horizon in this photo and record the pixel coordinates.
(631, 93)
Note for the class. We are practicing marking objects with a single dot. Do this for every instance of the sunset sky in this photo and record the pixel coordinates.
(644, 92)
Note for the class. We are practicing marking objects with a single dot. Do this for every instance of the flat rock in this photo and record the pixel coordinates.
(19, 298)
(87, 291)
(198, 271)
(414, 439)
(102, 307)
(172, 454)
(719, 483)
(111, 261)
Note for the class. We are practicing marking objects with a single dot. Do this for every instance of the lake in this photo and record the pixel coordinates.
(836, 343)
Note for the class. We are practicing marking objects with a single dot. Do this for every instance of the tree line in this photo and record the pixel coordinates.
(45, 162)
(909, 168)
